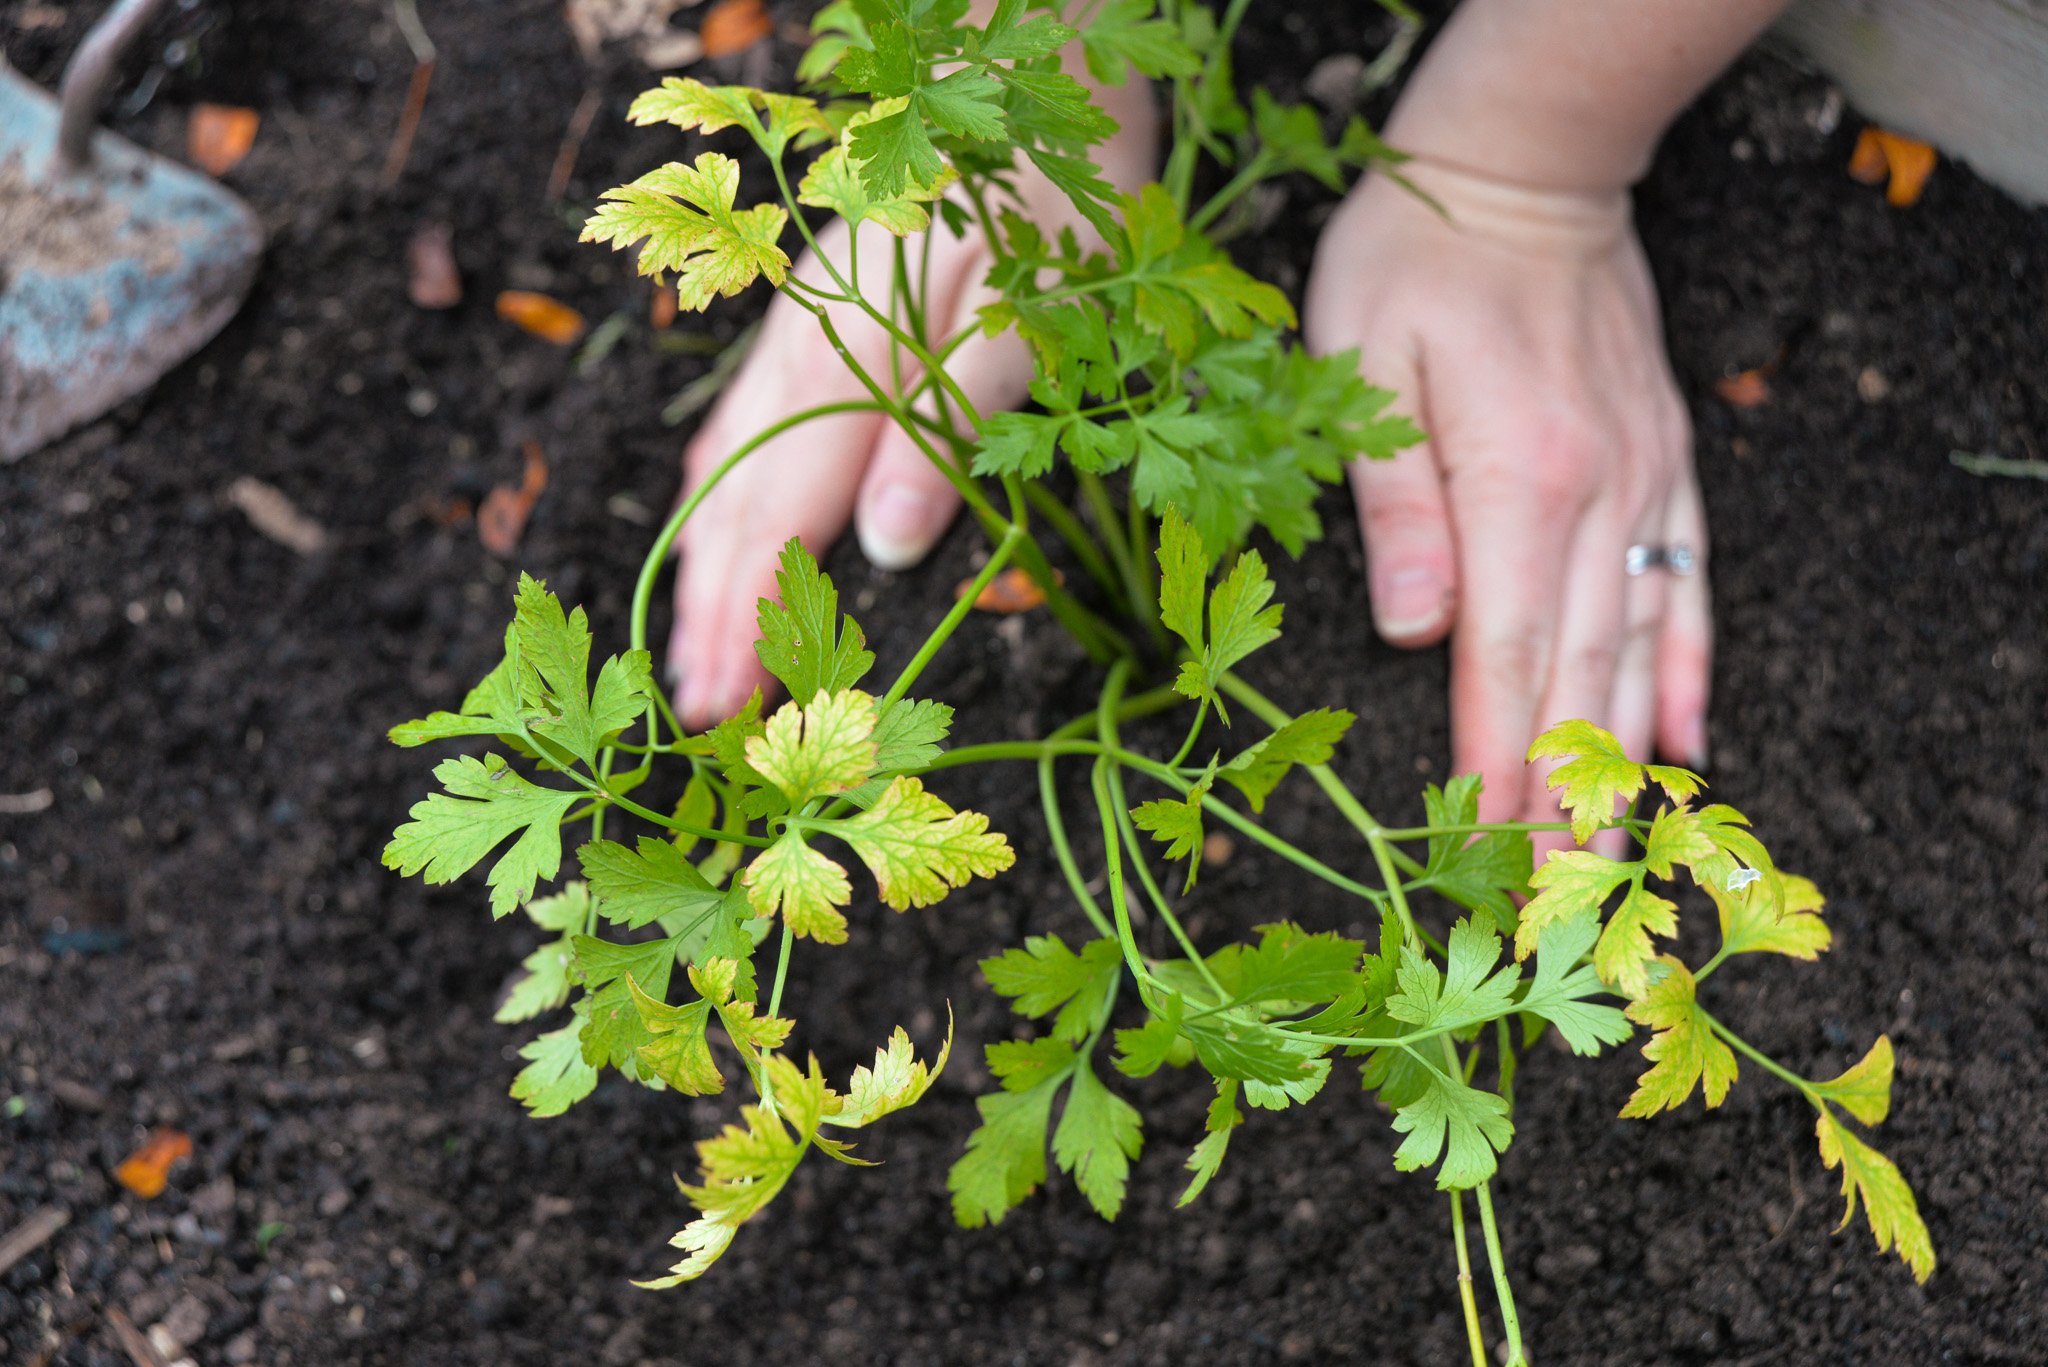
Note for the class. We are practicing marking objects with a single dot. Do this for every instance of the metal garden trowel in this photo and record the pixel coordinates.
(115, 265)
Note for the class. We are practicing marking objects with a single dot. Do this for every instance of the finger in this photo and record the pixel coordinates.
(905, 500)
(1509, 559)
(1410, 553)
(1685, 646)
(799, 484)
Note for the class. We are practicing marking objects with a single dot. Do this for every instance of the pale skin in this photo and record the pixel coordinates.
(1522, 333)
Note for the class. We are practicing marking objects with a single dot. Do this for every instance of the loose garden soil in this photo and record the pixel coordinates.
(198, 933)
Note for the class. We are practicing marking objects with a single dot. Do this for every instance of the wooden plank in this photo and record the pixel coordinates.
(1969, 76)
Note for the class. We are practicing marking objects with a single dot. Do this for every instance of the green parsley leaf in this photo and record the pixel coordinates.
(1178, 823)
(1123, 34)
(553, 676)
(1310, 738)
(1462, 995)
(1183, 575)
(1240, 621)
(1099, 1135)
(1005, 1158)
(555, 1077)
(1288, 964)
(1463, 1124)
(1560, 985)
(1482, 873)
(1045, 976)
(485, 802)
(1207, 1157)
(678, 1053)
(634, 888)
(801, 641)
(613, 1033)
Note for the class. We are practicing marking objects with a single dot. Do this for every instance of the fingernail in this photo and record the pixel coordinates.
(1409, 602)
(1696, 745)
(897, 530)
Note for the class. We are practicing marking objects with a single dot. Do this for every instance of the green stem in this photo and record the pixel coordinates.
(1465, 1296)
(781, 970)
(1194, 733)
(1503, 1293)
(1110, 526)
(650, 567)
(1257, 169)
(962, 605)
(1381, 852)
(1069, 529)
(1152, 892)
(1757, 1056)
(1218, 808)
(1056, 828)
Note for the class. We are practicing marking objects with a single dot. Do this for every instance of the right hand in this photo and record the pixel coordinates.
(1523, 335)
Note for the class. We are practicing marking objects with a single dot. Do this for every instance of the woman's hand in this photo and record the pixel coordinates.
(1522, 331)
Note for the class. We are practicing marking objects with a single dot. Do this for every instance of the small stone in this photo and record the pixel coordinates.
(241, 1348)
(1336, 82)
(1871, 385)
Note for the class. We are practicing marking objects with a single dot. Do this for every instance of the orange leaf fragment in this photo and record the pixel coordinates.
(734, 26)
(1747, 390)
(549, 319)
(1867, 163)
(502, 519)
(1010, 592)
(145, 1171)
(1907, 161)
(219, 135)
(662, 311)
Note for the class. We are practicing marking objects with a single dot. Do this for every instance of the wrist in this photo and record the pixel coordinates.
(1528, 219)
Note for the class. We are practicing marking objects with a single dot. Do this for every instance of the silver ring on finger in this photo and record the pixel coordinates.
(1676, 557)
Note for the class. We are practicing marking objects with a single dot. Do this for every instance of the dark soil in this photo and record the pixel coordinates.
(198, 933)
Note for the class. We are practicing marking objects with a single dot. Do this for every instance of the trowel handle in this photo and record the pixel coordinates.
(91, 71)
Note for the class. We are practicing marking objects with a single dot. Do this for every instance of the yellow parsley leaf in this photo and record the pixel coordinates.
(1570, 883)
(1599, 774)
(685, 215)
(918, 848)
(1623, 954)
(1865, 1091)
(1684, 1049)
(897, 1080)
(1887, 1201)
(823, 748)
(792, 879)
(1770, 914)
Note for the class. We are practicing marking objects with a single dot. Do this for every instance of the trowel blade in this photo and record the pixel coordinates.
(108, 277)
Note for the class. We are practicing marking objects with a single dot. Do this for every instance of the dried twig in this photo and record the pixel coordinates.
(572, 145)
(423, 54)
(31, 1234)
(132, 1341)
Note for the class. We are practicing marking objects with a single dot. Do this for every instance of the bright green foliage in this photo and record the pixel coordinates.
(1045, 976)
(802, 642)
(1685, 1050)
(553, 671)
(1179, 823)
(1098, 1136)
(791, 880)
(1310, 738)
(1240, 618)
(684, 219)
(1466, 992)
(485, 802)
(546, 984)
(555, 1077)
(634, 888)
(1888, 1202)
(1162, 376)
(1598, 776)
(919, 849)
(1482, 873)
(1558, 990)
(1464, 1125)
(1865, 1091)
